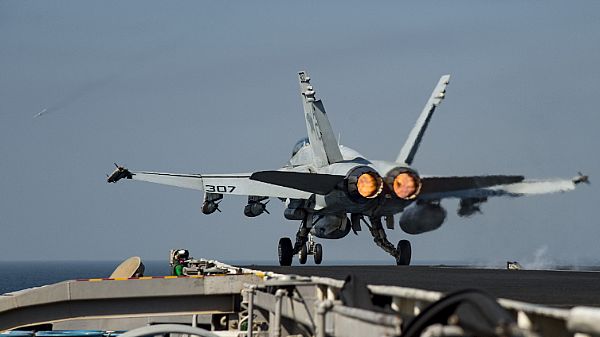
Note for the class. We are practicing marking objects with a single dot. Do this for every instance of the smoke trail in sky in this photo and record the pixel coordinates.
(82, 91)
(541, 260)
(132, 63)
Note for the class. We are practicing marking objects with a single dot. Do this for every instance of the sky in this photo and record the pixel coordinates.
(210, 87)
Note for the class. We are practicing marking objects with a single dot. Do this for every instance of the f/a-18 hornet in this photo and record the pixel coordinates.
(332, 189)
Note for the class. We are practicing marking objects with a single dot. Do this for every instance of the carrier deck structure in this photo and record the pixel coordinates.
(278, 302)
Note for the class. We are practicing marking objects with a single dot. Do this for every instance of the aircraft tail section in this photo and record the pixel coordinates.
(320, 134)
(409, 150)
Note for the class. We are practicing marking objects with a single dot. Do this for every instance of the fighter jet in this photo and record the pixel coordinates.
(332, 189)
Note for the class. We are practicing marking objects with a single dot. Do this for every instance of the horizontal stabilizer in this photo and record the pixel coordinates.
(448, 184)
(492, 186)
(309, 182)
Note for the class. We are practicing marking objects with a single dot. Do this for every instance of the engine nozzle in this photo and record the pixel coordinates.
(406, 184)
(369, 185)
(364, 183)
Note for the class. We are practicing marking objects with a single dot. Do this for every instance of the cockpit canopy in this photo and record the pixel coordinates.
(300, 144)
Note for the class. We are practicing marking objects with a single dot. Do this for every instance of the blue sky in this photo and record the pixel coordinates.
(210, 87)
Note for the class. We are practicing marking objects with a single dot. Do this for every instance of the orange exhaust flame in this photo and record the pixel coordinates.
(368, 185)
(406, 186)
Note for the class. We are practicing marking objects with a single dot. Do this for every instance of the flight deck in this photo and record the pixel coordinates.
(553, 288)
(314, 301)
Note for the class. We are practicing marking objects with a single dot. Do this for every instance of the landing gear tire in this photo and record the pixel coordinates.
(285, 252)
(405, 252)
(318, 253)
(303, 254)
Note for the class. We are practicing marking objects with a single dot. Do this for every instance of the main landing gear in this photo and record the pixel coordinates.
(305, 245)
(285, 252)
(402, 253)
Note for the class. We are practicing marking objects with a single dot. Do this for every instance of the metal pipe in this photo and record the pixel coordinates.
(369, 316)
(251, 290)
(275, 326)
(160, 329)
(584, 320)
(322, 309)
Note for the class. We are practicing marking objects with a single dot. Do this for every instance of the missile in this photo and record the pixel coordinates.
(40, 113)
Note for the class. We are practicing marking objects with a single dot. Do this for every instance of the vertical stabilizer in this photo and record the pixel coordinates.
(409, 150)
(322, 139)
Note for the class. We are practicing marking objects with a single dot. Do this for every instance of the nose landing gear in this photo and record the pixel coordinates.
(310, 247)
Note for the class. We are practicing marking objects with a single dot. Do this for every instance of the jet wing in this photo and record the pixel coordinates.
(436, 188)
(301, 185)
(236, 184)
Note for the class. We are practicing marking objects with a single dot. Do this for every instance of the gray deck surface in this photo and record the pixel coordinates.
(556, 288)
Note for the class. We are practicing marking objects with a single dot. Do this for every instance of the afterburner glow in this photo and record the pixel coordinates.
(368, 185)
(406, 185)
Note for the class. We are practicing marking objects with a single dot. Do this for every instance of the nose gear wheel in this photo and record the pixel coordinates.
(302, 236)
(318, 253)
(303, 254)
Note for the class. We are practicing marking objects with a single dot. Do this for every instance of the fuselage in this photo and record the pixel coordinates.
(337, 201)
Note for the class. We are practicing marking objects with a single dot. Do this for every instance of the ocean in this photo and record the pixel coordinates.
(22, 275)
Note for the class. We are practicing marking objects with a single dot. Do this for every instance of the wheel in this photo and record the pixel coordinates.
(286, 252)
(318, 253)
(303, 255)
(405, 252)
